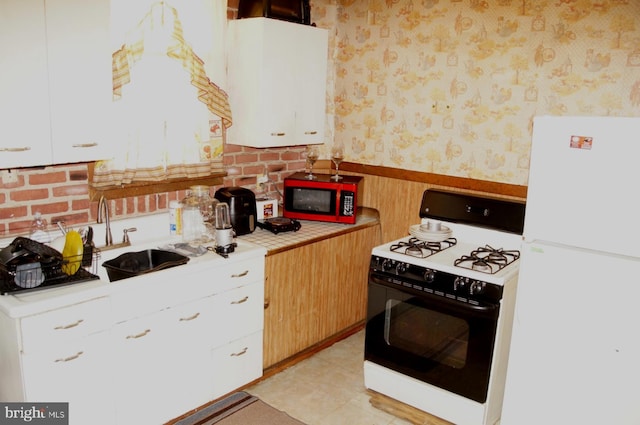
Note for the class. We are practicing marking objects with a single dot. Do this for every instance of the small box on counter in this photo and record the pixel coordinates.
(266, 208)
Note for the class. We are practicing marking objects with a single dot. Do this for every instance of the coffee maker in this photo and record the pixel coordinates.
(242, 208)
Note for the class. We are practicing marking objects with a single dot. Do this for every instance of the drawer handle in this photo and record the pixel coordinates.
(84, 145)
(240, 353)
(140, 335)
(69, 326)
(278, 134)
(311, 132)
(244, 300)
(68, 359)
(244, 273)
(20, 149)
(187, 319)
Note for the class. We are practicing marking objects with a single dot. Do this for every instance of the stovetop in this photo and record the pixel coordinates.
(445, 261)
(471, 226)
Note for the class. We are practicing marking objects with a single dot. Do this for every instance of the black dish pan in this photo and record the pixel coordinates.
(132, 264)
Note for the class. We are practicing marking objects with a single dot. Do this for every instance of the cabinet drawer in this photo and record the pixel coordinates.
(237, 274)
(236, 364)
(239, 312)
(193, 323)
(64, 324)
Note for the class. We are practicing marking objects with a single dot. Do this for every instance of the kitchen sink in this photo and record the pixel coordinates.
(131, 264)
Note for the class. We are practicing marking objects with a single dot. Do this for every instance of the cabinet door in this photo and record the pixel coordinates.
(311, 75)
(277, 83)
(308, 302)
(142, 358)
(193, 328)
(25, 137)
(76, 372)
(236, 364)
(276, 117)
(80, 83)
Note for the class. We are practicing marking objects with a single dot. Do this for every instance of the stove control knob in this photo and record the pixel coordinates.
(401, 268)
(387, 264)
(429, 275)
(476, 287)
(459, 283)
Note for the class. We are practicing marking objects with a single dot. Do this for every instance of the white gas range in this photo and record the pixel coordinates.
(441, 306)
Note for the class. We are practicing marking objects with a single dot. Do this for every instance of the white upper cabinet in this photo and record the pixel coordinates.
(80, 83)
(277, 73)
(25, 134)
(55, 90)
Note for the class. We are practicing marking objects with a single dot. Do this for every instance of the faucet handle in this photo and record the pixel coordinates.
(125, 237)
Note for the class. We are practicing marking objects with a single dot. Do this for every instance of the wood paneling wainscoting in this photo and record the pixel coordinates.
(397, 193)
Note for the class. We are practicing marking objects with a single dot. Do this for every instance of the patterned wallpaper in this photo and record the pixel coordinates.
(451, 86)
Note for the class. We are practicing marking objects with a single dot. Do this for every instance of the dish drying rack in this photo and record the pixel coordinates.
(28, 265)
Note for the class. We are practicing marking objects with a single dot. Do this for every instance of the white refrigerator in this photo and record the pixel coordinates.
(575, 349)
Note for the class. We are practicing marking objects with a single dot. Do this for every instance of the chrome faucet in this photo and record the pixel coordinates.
(103, 214)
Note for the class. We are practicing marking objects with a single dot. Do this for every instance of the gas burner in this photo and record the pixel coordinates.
(422, 249)
(487, 259)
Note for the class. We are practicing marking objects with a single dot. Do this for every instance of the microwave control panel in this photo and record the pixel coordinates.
(347, 203)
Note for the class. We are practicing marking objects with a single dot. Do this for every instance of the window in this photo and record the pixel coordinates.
(169, 115)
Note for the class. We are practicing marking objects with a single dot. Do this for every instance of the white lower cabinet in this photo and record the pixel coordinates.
(141, 364)
(238, 312)
(77, 373)
(236, 363)
(191, 371)
(184, 356)
(114, 366)
(60, 356)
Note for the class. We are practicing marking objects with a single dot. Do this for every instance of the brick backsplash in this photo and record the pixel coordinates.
(61, 192)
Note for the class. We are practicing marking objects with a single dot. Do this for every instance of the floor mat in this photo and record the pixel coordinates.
(239, 408)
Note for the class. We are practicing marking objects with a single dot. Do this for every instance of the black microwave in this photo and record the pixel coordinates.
(298, 11)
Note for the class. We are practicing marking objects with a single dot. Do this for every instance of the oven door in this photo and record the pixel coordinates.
(437, 340)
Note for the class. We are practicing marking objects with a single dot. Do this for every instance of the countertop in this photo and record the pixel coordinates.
(310, 232)
(147, 236)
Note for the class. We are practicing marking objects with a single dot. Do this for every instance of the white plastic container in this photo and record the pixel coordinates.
(175, 218)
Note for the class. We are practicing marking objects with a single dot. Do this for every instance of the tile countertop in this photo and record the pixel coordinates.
(147, 236)
(311, 231)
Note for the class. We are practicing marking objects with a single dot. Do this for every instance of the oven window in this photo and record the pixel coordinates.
(427, 333)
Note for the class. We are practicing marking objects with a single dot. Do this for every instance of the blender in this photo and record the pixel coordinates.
(224, 230)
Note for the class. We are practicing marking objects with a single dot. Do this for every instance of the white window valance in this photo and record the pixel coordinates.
(169, 116)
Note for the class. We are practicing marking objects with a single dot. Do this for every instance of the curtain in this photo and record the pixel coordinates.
(169, 116)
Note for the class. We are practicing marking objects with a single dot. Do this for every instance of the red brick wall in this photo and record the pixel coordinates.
(61, 192)
(56, 191)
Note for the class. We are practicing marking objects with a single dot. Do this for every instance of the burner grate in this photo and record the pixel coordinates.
(422, 249)
(487, 259)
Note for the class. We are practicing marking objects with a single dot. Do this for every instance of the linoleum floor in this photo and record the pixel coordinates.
(326, 389)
